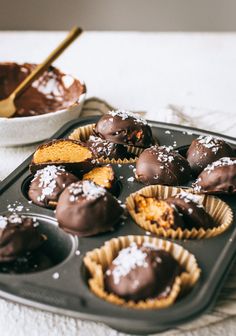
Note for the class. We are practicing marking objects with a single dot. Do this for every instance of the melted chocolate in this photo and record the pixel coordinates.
(124, 128)
(141, 272)
(20, 246)
(218, 177)
(193, 213)
(86, 209)
(52, 92)
(17, 237)
(162, 165)
(48, 183)
(206, 149)
(107, 150)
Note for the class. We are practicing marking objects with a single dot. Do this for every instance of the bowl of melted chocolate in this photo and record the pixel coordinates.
(47, 104)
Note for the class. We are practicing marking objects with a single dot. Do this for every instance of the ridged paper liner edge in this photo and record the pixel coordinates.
(222, 214)
(98, 260)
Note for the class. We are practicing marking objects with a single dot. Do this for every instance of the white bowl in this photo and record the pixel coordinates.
(29, 130)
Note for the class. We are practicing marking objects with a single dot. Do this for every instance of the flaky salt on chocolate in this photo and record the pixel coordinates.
(48, 183)
(206, 149)
(162, 165)
(86, 209)
(182, 211)
(140, 272)
(190, 207)
(124, 114)
(124, 127)
(102, 148)
(218, 177)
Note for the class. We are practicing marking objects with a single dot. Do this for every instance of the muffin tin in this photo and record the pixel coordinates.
(63, 288)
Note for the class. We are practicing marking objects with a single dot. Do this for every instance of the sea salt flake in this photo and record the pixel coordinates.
(130, 179)
(88, 189)
(128, 259)
(188, 197)
(56, 275)
(124, 114)
(225, 161)
(47, 179)
(3, 222)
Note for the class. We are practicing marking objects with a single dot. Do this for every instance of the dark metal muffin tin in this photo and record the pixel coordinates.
(63, 288)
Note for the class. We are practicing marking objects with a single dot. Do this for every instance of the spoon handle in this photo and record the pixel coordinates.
(73, 34)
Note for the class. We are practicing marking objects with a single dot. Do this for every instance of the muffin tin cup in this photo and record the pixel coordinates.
(98, 260)
(83, 133)
(57, 248)
(70, 294)
(219, 210)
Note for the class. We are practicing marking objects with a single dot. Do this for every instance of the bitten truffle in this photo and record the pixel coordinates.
(102, 148)
(205, 150)
(86, 209)
(20, 243)
(218, 177)
(162, 165)
(158, 212)
(140, 272)
(126, 128)
(192, 211)
(48, 183)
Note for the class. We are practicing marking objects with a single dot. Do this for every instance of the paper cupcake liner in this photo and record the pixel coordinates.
(83, 133)
(98, 260)
(219, 210)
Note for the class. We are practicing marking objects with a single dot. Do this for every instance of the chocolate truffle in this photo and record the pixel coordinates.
(126, 128)
(102, 148)
(86, 209)
(140, 272)
(48, 183)
(20, 243)
(192, 211)
(72, 154)
(158, 212)
(162, 165)
(103, 176)
(205, 150)
(218, 177)
(51, 92)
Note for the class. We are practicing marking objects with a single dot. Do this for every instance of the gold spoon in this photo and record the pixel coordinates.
(7, 106)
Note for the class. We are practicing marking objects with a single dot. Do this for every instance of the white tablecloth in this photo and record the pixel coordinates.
(181, 78)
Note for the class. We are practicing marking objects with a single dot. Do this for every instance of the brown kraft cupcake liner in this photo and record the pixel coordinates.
(98, 260)
(221, 213)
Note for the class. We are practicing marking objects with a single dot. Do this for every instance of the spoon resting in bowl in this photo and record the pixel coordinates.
(7, 105)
